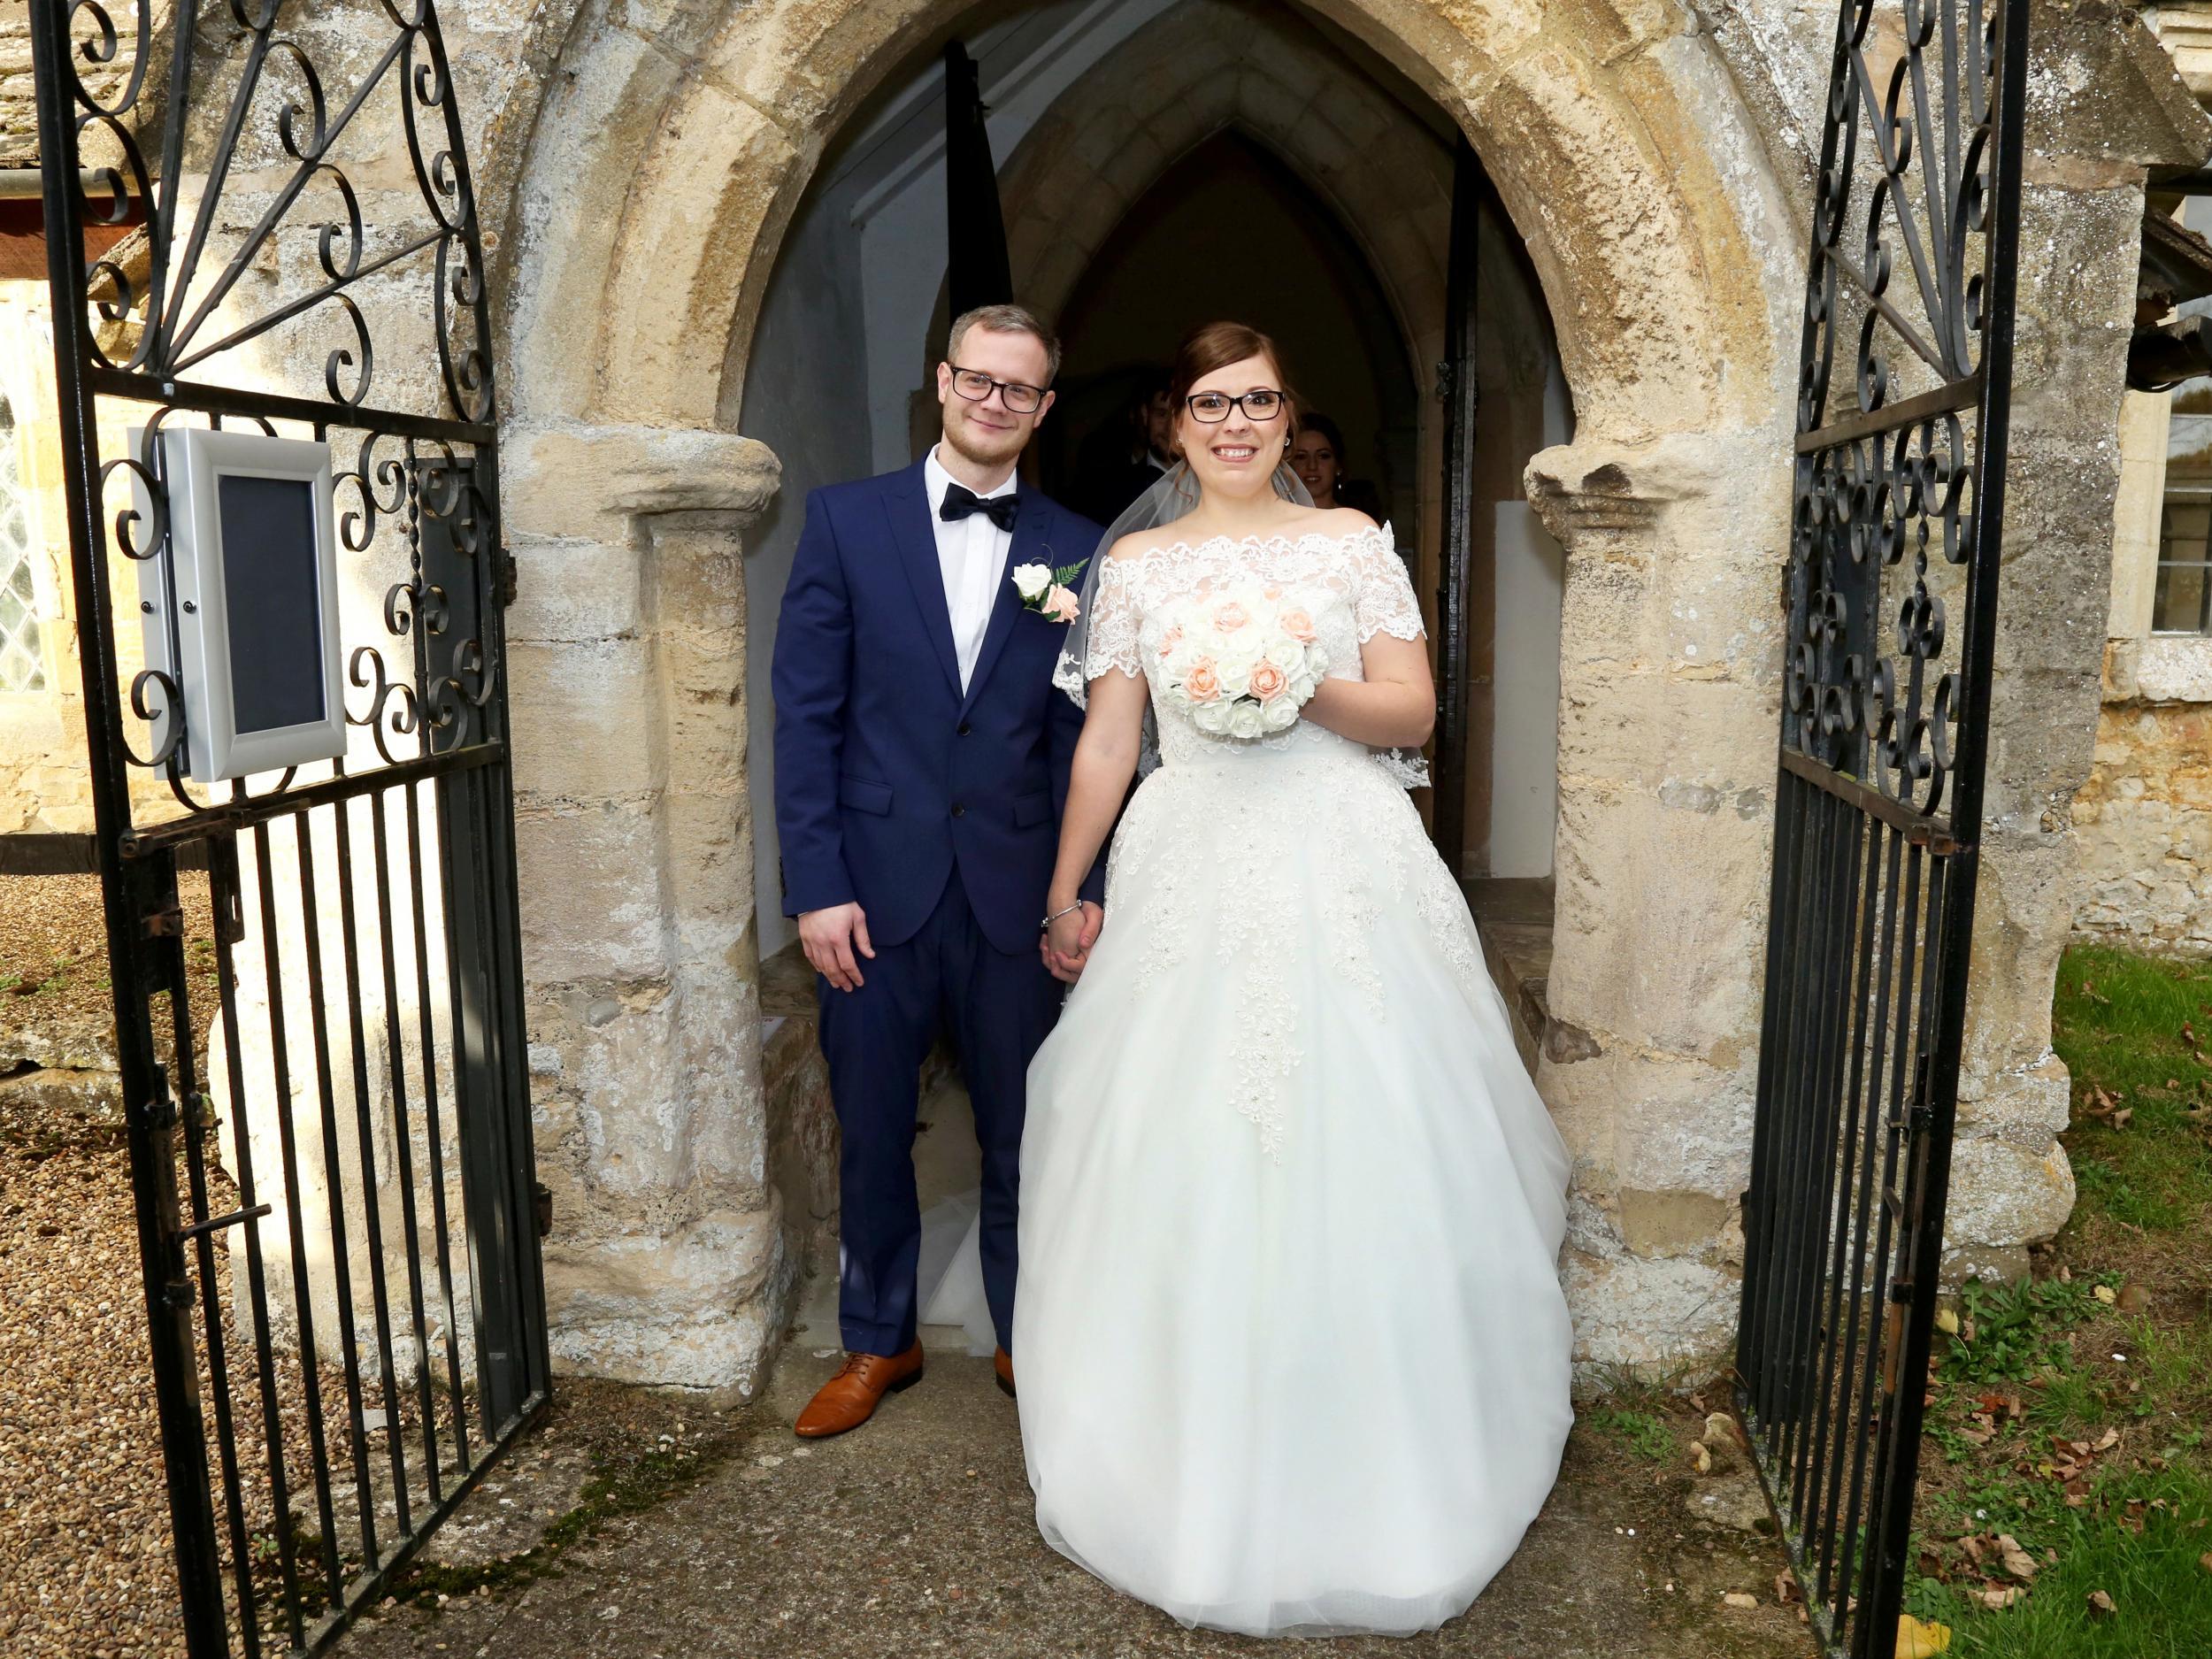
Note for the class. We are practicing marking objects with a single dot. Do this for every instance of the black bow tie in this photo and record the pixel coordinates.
(960, 501)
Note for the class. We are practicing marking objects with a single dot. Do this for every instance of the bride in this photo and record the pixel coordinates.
(1293, 1354)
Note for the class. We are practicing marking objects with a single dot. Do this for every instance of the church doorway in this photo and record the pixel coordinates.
(1305, 187)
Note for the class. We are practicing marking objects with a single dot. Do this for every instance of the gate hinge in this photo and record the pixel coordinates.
(542, 1207)
(166, 922)
(510, 578)
(159, 1112)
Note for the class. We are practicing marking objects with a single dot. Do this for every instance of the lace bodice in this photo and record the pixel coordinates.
(1354, 586)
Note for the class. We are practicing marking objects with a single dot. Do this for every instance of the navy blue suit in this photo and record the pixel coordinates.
(939, 812)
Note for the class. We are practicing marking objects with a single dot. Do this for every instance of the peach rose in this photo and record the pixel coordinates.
(1202, 684)
(1060, 606)
(1271, 591)
(1231, 617)
(1267, 682)
(1297, 623)
(1172, 638)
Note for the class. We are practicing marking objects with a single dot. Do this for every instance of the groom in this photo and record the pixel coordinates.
(922, 759)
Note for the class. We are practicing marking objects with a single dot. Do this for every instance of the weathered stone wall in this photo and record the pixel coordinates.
(2145, 818)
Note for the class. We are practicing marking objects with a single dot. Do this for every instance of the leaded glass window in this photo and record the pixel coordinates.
(2182, 604)
(22, 665)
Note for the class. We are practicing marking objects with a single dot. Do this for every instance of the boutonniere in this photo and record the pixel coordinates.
(1046, 591)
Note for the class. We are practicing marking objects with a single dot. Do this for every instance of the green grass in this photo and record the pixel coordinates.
(2162, 1594)
(1642, 1431)
(2136, 1033)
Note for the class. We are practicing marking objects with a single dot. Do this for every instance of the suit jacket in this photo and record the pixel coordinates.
(889, 778)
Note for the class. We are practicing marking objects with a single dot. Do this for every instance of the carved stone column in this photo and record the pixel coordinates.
(1669, 658)
(667, 1263)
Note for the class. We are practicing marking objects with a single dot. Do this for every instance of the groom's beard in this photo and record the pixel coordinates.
(981, 445)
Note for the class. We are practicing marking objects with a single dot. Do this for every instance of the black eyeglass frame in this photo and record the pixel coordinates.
(1282, 402)
(1005, 388)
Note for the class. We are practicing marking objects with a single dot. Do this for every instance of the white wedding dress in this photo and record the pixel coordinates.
(1291, 1350)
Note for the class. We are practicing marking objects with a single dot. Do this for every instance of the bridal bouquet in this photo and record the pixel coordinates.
(1242, 661)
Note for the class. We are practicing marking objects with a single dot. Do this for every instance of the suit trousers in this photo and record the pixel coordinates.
(997, 1007)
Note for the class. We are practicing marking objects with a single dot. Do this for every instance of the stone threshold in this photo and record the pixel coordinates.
(1513, 918)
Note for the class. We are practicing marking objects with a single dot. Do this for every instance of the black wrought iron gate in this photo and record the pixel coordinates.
(334, 1178)
(1899, 512)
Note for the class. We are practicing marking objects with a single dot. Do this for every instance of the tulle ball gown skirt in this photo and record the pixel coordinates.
(1292, 1355)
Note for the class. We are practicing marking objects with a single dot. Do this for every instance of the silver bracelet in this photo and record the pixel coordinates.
(1056, 915)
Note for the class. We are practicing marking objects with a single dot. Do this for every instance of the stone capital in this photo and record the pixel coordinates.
(1596, 493)
(597, 483)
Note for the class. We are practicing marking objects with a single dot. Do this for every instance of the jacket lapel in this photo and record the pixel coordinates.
(1026, 547)
(906, 504)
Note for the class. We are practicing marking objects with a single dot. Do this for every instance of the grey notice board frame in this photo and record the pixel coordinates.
(240, 604)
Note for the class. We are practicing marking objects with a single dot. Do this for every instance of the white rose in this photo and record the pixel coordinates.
(1280, 714)
(1317, 661)
(1245, 719)
(1031, 582)
(1285, 653)
(1212, 717)
(1236, 678)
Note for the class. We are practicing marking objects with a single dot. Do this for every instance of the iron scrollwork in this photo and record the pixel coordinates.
(1884, 484)
(161, 313)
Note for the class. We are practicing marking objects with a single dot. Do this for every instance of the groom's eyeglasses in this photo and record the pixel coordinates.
(975, 386)
(1214, 407)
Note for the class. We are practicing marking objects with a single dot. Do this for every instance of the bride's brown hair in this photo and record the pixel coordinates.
(1212, 346)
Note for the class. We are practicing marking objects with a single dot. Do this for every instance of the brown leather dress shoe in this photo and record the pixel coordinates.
(849, 1399)
(1003, 1362)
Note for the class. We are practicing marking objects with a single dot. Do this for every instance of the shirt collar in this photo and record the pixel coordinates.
(940, 480)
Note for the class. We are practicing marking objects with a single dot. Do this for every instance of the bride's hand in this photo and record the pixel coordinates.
(1067, 942)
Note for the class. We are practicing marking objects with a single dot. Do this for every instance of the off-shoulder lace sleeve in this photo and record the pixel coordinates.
(1383, 602)
(1115, 617)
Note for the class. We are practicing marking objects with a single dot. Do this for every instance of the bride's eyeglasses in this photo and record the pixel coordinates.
(975, 386)
(1213, 407)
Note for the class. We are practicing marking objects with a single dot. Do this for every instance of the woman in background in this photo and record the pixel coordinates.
(1317, 455)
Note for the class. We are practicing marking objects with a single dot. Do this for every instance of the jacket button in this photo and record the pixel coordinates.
(965, 728)
(959, 811)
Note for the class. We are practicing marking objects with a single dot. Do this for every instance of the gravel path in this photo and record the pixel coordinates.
(84, 1526)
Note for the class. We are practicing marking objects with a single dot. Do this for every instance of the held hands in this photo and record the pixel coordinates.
(1066, 944)
(832, 939)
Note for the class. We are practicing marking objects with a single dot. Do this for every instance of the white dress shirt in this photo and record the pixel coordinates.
(971, 557)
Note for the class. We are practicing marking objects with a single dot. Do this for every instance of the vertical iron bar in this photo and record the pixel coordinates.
(403, 1140)
(1881, 1345)
(224, 887)
(193, 1102)
(434, 1143)
(334, 1180)
(372, 1198)
(1833, 1344)
(1851, 1429)
(302, 1290)
(150, 1112)
(1761, 1194)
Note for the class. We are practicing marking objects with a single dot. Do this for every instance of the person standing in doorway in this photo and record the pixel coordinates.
(922, 761)
(1317, 455)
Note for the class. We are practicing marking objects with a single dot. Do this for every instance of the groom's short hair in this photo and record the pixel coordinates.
(1006, 319)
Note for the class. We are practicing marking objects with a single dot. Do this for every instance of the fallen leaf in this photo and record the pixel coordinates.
(1701, 1459)
(1786, 1590)
(2107, 1441)
(1948, 1321)
(2002, 1598)
(2017, 1561)
(1737, 1598)
(2124, 1117)
(2205, 1561)
(2133, 1298)
(2107, 1295)
(2101, 1604)
(1915, 1640)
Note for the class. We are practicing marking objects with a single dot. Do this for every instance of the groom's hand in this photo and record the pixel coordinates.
(1065, 955)
(831, 939)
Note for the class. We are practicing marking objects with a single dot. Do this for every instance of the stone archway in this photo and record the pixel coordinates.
(1626, 160)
